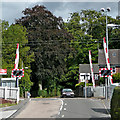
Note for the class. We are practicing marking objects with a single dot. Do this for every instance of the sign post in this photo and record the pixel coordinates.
(105, 72)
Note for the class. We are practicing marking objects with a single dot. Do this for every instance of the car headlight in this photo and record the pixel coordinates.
(72, 93)
(64, 93)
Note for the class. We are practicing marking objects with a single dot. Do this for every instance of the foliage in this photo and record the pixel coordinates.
(82, 84)
(88, 29)
(102, 80)
(11, 36)
(7, 104)
(115, 104)
(116, 78)
(89, 84)
(42, 93)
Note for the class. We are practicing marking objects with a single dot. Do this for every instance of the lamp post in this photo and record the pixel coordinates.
(106, 11)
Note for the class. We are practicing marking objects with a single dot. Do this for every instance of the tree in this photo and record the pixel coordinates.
(49, 41)
(11, 36)
(88, 29)
(82, 43)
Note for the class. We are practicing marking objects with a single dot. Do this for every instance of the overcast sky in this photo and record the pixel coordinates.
(12, 9)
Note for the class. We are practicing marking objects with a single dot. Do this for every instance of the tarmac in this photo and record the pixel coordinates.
(12, 111)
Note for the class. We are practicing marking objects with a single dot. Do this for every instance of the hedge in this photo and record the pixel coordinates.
(115, 104)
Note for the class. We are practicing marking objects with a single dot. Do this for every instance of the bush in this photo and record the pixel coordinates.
(42, 93)
(116, 78)
(115, 104)
(82, 84)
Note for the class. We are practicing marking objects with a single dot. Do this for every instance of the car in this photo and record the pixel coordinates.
(67, 93)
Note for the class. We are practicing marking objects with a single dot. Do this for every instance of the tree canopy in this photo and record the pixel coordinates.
(50, 43)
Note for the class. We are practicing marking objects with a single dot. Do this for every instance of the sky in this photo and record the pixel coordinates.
(12, 9)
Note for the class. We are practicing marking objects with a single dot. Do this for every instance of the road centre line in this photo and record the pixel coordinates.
(61, 107)
(65, 103)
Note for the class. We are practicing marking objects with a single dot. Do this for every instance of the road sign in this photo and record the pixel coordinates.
(104, 72)
(17, 72)
(3, 71)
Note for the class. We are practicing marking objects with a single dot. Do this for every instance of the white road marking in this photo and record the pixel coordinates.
(61, 107)
(62, 116)
(64, 108)
(65, 103)
(59, 113)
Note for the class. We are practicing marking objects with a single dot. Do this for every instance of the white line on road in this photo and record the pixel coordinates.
(62, 116)
(60, 106)
(64, 108)
(65, 103)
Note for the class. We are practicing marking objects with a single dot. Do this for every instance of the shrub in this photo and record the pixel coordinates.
(42, 93)
(116, 78)
(115, 104)
(82, 84)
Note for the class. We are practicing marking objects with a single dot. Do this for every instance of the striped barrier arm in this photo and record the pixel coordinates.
(91, 67)
(107, 58)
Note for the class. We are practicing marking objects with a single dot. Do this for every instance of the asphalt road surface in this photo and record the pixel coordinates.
(84, 109)
(65, 108)
(41, 108)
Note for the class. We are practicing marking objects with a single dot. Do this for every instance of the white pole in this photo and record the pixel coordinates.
(91, 67)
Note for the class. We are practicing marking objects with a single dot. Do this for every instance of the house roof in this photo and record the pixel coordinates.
(85, 68)
(114, 57)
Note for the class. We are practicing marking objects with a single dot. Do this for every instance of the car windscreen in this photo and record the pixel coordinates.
(67, 90)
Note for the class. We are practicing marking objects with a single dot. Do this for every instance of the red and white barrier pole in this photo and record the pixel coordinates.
(93, 80)
(17, 57)
(107, 58)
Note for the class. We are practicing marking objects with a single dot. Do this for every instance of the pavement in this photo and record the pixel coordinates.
(13, 111)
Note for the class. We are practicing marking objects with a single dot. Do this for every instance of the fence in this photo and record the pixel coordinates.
(9, 93)
(80, 91)
(98, 91)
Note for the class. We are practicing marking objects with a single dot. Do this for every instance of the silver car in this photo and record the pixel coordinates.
(67, 93)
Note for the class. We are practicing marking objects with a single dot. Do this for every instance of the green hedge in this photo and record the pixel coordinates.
(42, 93)
(115, 104)
(83, 84)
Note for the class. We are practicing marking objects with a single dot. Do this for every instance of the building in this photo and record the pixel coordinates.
(9, 82)
(114, 57)
(85, 73)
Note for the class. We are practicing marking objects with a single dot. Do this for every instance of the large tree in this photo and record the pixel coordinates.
(49, 41)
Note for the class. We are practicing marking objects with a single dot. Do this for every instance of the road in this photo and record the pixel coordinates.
(65, 108)
(41, 108)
